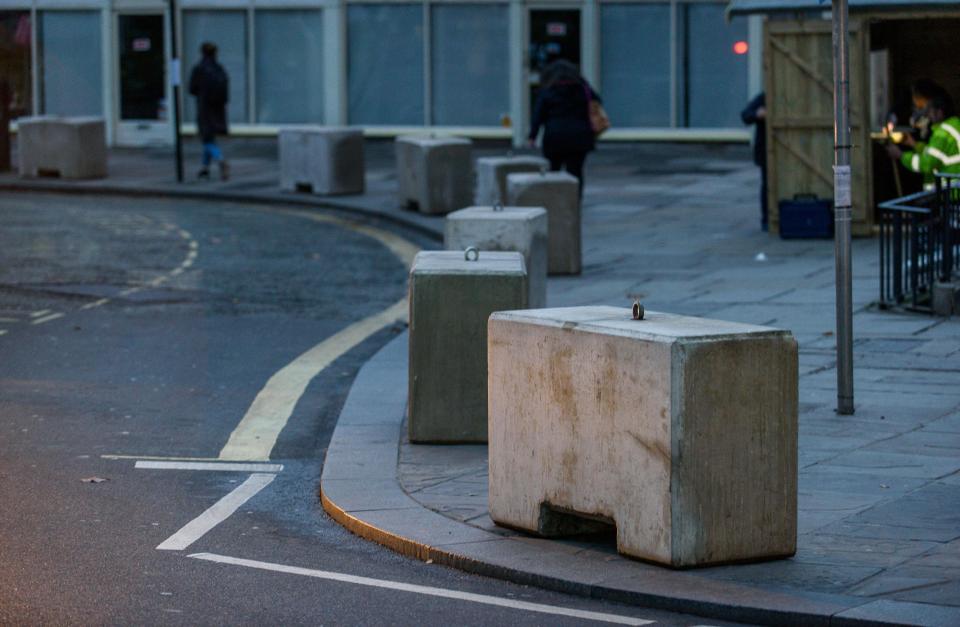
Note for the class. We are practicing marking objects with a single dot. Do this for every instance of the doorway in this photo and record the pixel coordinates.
(554, 33)
(144, 115)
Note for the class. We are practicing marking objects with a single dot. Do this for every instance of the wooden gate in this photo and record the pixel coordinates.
(798, 72)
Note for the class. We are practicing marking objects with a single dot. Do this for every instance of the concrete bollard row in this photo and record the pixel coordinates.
(492, 176)
(558, 193)
(326, 160)
(66, 147)
(434, 173)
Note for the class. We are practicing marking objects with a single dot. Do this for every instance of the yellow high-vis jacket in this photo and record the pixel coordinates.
(940, 154)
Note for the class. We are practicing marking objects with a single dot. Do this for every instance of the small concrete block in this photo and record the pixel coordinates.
(520, 229)
(70, 148)
(328, 160)
(450, 301)
(558, 193)
(492, 176)
(680, 431)
(945, 297)
(434, 173)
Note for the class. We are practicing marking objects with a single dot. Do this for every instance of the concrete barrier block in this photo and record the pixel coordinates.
(680, 431)
(450, 301)
(520, 229)
(434, 173)
(327, 160)
(558, 193)
(492, 176)
(70, 148)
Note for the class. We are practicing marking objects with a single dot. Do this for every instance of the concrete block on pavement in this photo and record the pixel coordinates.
(67, 147)
(450, 300)
(434, 173)
(520, 229)
(328, 160)
(680, 431)
(558, 193)
(945, 298)
(492, 176)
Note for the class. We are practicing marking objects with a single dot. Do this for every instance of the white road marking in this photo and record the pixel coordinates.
(222, 466)
(96, 303)
(9, 320)
(130, 290)
(218, 512)
(256, 435)
(3, 331)
(426, 590)
(42, 312)
(52, 316)
(161, 457)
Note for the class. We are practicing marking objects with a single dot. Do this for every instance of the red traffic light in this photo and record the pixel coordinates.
(741, 47)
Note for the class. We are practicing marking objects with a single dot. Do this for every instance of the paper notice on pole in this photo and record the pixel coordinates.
(842, 196)
(175, 72)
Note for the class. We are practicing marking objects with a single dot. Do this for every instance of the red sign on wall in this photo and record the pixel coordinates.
(557, 29)
(141, 44)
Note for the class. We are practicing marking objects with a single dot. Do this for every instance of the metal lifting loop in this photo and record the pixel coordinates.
(498, 206)
(638, 310)
(471, 254)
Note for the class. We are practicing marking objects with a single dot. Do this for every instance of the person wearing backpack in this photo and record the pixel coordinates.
(211, 86)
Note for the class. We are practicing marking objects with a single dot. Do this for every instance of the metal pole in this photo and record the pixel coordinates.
(842, 204)
(175, 82)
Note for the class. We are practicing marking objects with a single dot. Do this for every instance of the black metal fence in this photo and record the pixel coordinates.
(919, 244)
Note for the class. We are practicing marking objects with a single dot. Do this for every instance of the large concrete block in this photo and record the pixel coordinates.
(680, 431)
(492, 176)
(558, 193)
(434, 173)
(520, 229)
(71, 148)
(450, 301)
(327, 160)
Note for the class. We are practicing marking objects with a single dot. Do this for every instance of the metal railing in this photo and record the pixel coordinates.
(919, 244)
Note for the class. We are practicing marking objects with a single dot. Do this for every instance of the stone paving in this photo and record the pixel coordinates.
(677, 226)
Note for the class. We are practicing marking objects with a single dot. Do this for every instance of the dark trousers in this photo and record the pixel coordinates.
(572, 162)
(763, 196)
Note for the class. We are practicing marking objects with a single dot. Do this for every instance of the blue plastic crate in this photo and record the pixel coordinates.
(806, 217)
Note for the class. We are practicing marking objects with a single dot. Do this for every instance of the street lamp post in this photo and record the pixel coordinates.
(175, 83)
(842, 205)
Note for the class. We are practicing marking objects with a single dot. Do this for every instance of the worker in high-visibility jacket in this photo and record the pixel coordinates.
(941, 153)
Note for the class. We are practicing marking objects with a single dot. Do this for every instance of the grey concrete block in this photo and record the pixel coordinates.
(558, 193)
(520, 229)
(434, 173)
(681, 431)
(492, 176)
(450, 301)
(327, 160)
(71, 148)
(945, 298)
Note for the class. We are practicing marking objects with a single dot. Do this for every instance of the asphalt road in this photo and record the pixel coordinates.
(134, 329)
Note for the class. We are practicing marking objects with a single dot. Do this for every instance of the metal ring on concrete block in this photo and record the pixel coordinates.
(498, 206)
(472, 253)
(638, 310)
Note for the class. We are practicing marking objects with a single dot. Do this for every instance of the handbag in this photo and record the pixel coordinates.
(599, 120)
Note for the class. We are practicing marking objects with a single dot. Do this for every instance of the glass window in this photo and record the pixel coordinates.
(716, 72)
(15, 35)
(635, 64)
(471, 65)
(289, 67)
(228, 30)
(72, 67)
(385, 64)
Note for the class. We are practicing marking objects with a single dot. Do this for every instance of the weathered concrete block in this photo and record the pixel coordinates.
(558, 193)
(434, 173)
(450, 301)
(328, 160)
(520, 229)
(945, 298)
(680, 431)
(71, 148)
(492, 176)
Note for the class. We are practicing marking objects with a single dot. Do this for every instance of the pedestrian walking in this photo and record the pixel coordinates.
(756, 113)
(210, 85)
(563, 109)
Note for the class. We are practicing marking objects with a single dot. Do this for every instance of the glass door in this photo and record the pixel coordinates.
(554, 34)
(143, 107)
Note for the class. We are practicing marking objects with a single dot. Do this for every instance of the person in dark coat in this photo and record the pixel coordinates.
(756, 113)
(210, 85)
(562, 109)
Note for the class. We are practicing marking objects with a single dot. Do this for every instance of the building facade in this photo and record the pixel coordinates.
(666, 69)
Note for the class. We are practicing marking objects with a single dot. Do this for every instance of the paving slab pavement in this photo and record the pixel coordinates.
(879, 498)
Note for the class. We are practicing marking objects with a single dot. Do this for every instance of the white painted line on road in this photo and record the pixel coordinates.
(37, 314)
(256, 435)
(9, 320)
(426, 590)
(53, 316)
(218, 512)
(221, 466)
(176, 271)
(161, 457)
(130, 290)
(3, 331)
(96, 303)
